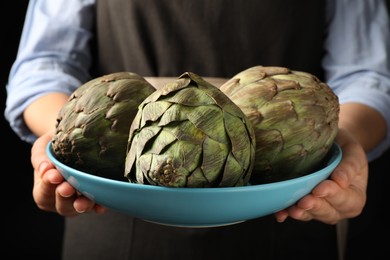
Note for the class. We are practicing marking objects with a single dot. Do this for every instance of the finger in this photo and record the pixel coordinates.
(337, 204)
(348, 202)
(281, 215)
(38, 150)
(65, 196)
(83, 205)
(44, 188)
(311, 207)
(99, 209)
(53, 176)
(352, 170)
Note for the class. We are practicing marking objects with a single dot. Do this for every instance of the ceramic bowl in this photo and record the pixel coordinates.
(196, 207)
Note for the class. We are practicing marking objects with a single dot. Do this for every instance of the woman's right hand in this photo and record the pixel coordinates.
(50, 191)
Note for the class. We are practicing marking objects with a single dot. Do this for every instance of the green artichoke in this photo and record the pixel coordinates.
(295, 119)
(92, 128)
(189, 134)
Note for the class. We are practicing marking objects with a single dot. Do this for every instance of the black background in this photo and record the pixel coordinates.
(26, 230)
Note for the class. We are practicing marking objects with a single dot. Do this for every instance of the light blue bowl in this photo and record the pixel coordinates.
(195, 207)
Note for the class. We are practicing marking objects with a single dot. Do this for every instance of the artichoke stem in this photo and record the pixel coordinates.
(165, 174)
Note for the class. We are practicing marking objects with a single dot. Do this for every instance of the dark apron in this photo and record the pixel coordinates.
(217, 38)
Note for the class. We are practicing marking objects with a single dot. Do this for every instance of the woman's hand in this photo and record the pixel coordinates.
(51, 192)
(341, 196)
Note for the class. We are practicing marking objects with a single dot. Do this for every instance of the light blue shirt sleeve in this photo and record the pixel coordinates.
(357, 62)
(53, 56)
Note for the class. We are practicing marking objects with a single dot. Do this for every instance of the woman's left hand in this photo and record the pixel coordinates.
(341, 196)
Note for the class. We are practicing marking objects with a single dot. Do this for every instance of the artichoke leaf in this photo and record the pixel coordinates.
(192, 96)
(237, 130)
(214, 159)
(198, 179)
(153, 111)
(186, 131)
(234, 174)
(208, 120)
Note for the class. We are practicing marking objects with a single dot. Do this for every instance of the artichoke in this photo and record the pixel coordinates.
(295, 119)
(92, 128)
(190, 134)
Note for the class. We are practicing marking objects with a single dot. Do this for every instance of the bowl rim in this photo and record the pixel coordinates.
(334, 160)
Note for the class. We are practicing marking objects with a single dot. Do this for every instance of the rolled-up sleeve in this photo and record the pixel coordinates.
(53, 56)
(357, 60)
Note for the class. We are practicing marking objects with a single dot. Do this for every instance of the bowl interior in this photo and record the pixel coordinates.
(195, 207)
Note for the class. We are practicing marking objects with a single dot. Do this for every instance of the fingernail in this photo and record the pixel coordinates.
(42, 168)
(64, 196)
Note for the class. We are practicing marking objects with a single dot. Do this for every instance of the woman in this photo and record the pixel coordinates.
(342, 42)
